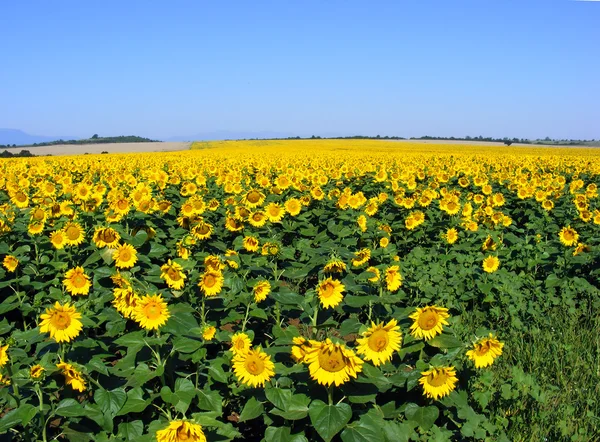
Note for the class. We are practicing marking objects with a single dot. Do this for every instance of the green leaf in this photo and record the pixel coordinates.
(251, 410)
(185, 392)
(295, 409)
(209, 400)
(134, 340)
(328, 420)
(110, 402)
(18, 416)
(425, 417)
(69, 408)
(131, 430)
(186, 345)
(278, 396)
(135, 402)
(445, 341)
(283, 434)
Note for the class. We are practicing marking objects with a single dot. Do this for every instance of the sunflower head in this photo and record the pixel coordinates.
(438, 382)
(62, 322)
(240, 343)
(253, 367)
(428, 321)
(330, 292)
(485, 351)
(379, 342)
(181, 430)
(330, 363)
(151, 312)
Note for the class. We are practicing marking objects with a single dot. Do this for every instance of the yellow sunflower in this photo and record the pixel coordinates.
(3, 355)
(125, 300)
(240, 343)
(293, 206)
(151, 312)
(10, 263)
(253, 368)
(58, 239)
(261, 290)
(485, 351)
(393, 278)
(334, 265)
(274, 212)
(438, 382)
(77, 282)
(62, 322)
(451, 236)
(181, 430)
(491, 264)
(74, 233)
(211, 283)
(73, 376)
(428, 321)
(173, 274)
(361, 257)
(379, 342)
(376, 274)
(106, 237)
(36, 371)
(330, 363)
(330, 292)
(208, 332)
(125, 256)
(568, 236)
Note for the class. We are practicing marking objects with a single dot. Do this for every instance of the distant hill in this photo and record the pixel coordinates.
(20, 138)
(93, 140)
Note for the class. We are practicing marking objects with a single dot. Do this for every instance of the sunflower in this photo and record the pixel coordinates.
(568, 236)
(428, 321)
(151, 312)
(379, 342)
(438, 382)
(485, 351)
(208, 332)
(125, 300)
(77, 282)
(261, 290)
(253, 368)
(491, 264)
(293, 206)
(274, 212)
(3, 355)
(334, 265)
(240, 343)
(362, 223)
(301, 347)
(211, 283)
(62, 322)
(384, 242)
(253, 198)
(74, 232)
(258, 218)
(173, 274)
(35, 228)
(451, 236)
(393, 278)
(202, 230)
(72, 376)
(10, 262)
(330, 363)
(106, 237)
(361, 257)
(181, 430)
(376, 275)
(58, 239)
(250, 243)
(330, 292)
(125, 256)
(36, 371)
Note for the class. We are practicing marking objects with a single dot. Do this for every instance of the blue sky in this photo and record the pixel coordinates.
(517, 68)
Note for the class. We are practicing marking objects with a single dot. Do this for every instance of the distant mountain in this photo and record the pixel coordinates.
(230, 135)
(18, 137)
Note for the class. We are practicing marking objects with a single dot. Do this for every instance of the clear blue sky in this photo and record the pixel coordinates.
(518, 68)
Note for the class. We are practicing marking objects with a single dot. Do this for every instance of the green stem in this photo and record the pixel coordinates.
(15, 387)
(330, 394)
(314, 320)
(246, 317)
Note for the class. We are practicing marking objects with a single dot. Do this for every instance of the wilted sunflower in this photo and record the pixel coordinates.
(72, 376)
(77, 282)
(253, 367)
(106, 237)
(173, 274)
(125, 256)
(428, 321)
(3, 355)
(261, 290)
(211, 283)
(10, 263)
(330, 363)
(491, 264)
(379, 342)
(151, 312)
(485, 351)
(36, 371)
(213, 263)
(181, 431)
(330, 292)
(438, 382)
(250, 243)
(334, 265)
(62, 322)
(568, 236)
(240, 343)
(361, 257)
(393, 278)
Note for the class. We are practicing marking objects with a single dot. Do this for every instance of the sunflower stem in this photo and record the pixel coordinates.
(314, 320)
(330, 394)
(246, 317)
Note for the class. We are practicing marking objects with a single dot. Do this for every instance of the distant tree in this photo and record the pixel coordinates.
(95, 136)
(508, 142)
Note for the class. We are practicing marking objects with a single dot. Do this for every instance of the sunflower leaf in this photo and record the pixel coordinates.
(328, 420)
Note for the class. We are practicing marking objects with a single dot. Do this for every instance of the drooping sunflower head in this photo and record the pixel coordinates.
(181, 430)
(151, 312)
(250, 243)
(393, 278)
(106, 237)
(3, 355)
(335, 265)
(253, 367)
(36, 371)
(379, 342)
(428, 321)
(173, 274)
(72, 375)
(438, 382)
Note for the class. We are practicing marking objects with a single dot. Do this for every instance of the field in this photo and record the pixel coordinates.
(301, 291)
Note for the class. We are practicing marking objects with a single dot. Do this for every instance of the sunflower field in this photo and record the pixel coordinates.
(301, 290)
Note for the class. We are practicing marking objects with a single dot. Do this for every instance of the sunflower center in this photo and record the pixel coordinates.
(203, 229)
(428, 320)
(378, 341)
(257, 217)
(254, 365)
(437, 378)
(107, 236)
(124, 255)
(173, 274)
(253, 197)
(274, 211)
(152, 310)
(72, 233)
(332, 361)
(78, 280)
(239, 344)
(21, 197)
(38, 214)
(61, 320)
(209, 281)
(122, 204)
(327, 290)
(483, 349)
(569, 235)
